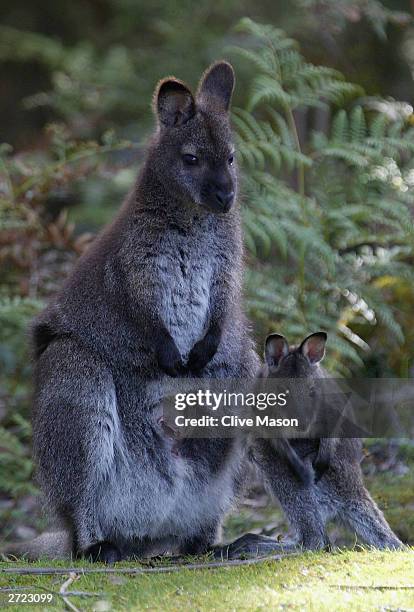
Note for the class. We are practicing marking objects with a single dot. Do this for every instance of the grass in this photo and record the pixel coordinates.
(345, 580)
(351, 580)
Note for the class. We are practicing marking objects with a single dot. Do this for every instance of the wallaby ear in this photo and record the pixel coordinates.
(173, 102)
(313, 347)
(276, 347)
(216, 87)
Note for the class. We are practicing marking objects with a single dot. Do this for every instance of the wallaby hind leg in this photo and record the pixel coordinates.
(357, 509)
(299, 502)
(303, 514)
(368, 522)
(75, 429)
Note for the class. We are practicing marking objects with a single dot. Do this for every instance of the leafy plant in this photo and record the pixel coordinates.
(328, 187)
(328, 213)
(38, 246)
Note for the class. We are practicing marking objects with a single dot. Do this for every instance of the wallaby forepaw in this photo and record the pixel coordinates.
(169, 359)
(202, 353)
(103, 552)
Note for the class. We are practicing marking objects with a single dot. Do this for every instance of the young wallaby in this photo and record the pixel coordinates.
(312, 349)
(338, 490)
(158, 294)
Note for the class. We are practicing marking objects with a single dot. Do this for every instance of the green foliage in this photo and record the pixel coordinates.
(105, 72)
(328, 214)
(15, 457)
(38, 246)
(337, 13)
(328, 177)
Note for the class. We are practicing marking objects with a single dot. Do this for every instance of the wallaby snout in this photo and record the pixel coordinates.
(225, 199)
(219, 200)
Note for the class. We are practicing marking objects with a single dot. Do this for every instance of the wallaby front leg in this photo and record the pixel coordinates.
(145, 314)
(168, 355)
(323, 460)
(299, 501)
(204, 350)
(301, 469)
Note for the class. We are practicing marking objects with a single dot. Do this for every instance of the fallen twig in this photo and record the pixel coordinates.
(380, 587)
(27, 588)
(141, 570)
(84, 594)
(64, 593)
(22, 588)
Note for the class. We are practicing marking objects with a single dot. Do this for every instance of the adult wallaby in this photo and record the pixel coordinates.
(339, 491)
(158, 294)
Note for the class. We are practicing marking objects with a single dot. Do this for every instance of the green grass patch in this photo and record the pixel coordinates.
(351, 580)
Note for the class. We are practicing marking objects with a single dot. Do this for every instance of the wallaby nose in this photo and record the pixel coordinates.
(225, 198)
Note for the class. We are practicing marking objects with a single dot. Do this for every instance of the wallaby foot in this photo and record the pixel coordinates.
(315, 542)
(103, 552)
(252, 545)
(308, 522)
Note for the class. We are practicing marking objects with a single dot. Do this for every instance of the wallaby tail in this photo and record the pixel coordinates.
(49, 545)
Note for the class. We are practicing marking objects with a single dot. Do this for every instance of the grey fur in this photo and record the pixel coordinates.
(304, 363)
(340, 493)
(158, 294)
(49, 545)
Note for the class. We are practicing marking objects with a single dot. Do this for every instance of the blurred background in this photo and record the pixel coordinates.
(324, 122)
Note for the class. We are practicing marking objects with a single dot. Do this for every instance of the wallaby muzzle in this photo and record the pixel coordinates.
(218, 200)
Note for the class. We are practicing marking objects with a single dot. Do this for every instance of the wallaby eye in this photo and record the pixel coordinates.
(231, 159)
(190, 160)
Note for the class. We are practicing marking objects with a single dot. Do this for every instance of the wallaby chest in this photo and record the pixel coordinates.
(186, 267)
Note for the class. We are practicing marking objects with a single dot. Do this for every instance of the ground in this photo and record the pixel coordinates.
(356, 579)
(352, 580)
